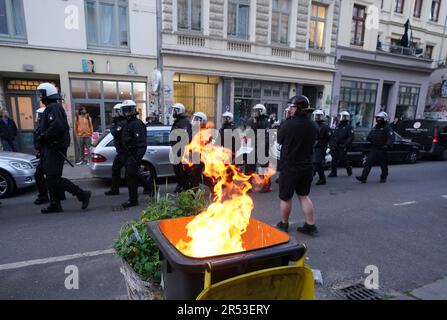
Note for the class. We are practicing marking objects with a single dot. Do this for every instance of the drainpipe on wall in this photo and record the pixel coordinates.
(442, 40)
(160, 96)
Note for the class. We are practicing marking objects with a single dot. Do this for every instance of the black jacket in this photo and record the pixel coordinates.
(226, 126)
(9, 131)
(342, 136)
(154, 124)
(182, 123)
(134, 138)
(117, 130)
(297, 138)
(324, 135)
(54, 139)
(381, 136)
(261, 123)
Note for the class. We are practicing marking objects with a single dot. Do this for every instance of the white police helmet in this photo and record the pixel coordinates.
(383, 115)
(318, 115)
(344, 115)
(47, 91)
(260, 108)
(199, 117)
(178, 109)
(117, 111)
(129, 108)
(228, 116)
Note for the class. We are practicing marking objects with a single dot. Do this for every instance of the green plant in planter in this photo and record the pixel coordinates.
(134, 243)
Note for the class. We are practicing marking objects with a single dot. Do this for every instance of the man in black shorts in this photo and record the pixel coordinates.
(297, 137)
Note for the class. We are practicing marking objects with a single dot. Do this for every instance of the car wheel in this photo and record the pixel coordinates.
(412, 157)
(148, 171)
(6, 184)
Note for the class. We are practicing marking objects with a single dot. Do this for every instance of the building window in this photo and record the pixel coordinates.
(189, 15)
(399, 8)
(99, 97)
(417, 8)
(238, 18)
(358, 25)
(359, 99)
(434, 10)
(280, 21)
(107, 23)
(428, 52)
(197, 93)
(407, 102)
(12, 20)
(317, 26)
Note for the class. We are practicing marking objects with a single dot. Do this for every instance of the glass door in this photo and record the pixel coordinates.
(23, 108)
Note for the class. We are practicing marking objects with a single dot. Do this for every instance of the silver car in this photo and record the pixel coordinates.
(155, 162)
(16, 172)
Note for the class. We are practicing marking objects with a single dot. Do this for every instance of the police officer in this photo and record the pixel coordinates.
(260, 121)
(297, 137)
(324, 135)
(195, 172)
(181, 122)
(382, 139)
(54, 139)
(134, 143)
(340, 143)
(39, 176)
(228, 126)
(118, 123)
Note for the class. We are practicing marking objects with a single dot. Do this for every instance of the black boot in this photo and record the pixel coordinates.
(309, 229)
(41, 200)
(332, 175)
(382, 180)
(129, 204)
(84, 197)
(53, 208)
(349, 171)
(361, 179)
(320, 182)
(112, 193)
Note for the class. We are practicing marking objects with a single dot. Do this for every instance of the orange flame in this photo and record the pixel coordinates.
(218, 230)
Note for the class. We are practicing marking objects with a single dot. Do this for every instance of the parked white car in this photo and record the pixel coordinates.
(16, 172)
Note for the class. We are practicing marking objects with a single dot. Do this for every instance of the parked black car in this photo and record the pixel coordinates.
(403, 150)
(431, 134)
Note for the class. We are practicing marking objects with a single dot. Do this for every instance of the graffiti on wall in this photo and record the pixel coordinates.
(436, 107)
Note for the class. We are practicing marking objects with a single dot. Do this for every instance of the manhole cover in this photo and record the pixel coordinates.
(359, 292)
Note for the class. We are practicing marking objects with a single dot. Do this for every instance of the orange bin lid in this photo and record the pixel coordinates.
(259, 235)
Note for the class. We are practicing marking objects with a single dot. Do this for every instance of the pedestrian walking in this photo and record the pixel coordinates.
(340, 143)
(323, 137)
(297, 137)
(382, 139)
(8, 132)
(54, 140)
(83, 131)
(181, 122)
(134, 144)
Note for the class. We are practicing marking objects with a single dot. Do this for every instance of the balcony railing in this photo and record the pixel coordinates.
(396, 49)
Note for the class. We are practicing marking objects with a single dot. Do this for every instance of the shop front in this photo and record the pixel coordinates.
(22, 103)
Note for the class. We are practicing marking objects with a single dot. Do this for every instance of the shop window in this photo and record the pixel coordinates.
(238, 18)
(125, 90)
(317, 26)
(189, 15)
(359, 99)
(107, 23)
(407, 102)
(110, 90)
(280, 21)
(94, 89)
(12, 20)
(139, 91)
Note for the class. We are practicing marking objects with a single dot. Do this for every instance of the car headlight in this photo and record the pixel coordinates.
(21, 165)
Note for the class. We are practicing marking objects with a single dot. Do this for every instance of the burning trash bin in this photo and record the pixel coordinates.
(224, 237)
(183, 276)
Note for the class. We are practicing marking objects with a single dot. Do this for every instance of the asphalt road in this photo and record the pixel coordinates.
(398, 227)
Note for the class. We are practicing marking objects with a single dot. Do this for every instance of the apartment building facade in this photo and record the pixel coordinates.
(97, 52)
(228, 55)
(376, 69)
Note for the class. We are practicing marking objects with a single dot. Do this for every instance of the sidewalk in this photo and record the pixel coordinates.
(81, 172)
